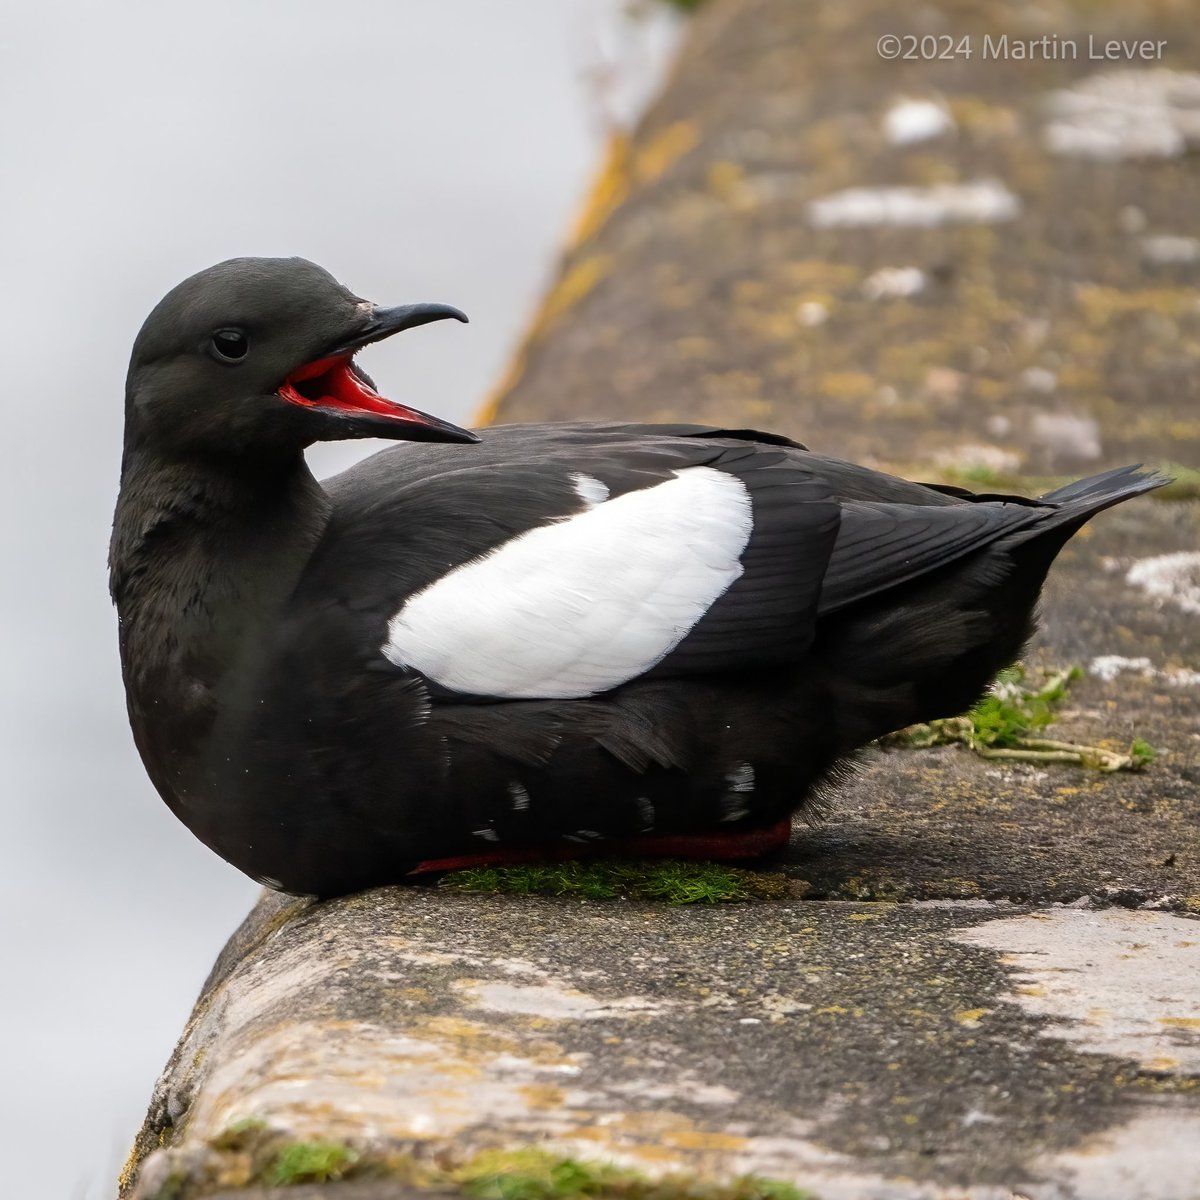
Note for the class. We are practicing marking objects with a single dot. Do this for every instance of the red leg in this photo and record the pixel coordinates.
(497, 858)
(750, 843)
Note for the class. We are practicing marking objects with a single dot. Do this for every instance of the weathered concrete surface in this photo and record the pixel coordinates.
(1027, 299)
(992, 1042)
(858, 1050)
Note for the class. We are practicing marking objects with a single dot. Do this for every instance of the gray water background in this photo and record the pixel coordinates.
(419, 151)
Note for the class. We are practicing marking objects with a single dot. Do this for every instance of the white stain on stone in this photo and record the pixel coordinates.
(981, 200)
(687, 1088)
(1132, 219)
(519, 966)
(554, 1003)
(1114, 982)
(1151, 1158)
(1109, 666)
(812, 313)
(1123, 114)
(974, 455)
(911, 120)
(1038, 379)
(1170, 249)
(346, 1082)
(1169, 578)
(1066, 435)
(891, 283)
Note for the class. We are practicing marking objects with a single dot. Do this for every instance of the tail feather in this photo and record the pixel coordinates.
(1108, 488)
(946, 631)
(1078, 502)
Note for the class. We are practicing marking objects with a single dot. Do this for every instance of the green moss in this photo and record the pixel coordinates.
(535, 1175)
(246, 1127)
(980, 475)
(529, 1174)
(310, 1162)
(666, 879)
(174, 1187)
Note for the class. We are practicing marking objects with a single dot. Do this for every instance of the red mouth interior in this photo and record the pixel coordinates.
(330, 383)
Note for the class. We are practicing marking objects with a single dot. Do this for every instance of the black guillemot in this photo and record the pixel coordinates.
(543, 640)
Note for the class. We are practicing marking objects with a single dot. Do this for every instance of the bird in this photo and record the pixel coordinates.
(529, 641)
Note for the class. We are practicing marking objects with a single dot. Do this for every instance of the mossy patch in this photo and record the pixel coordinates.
(668, 880)
(535, 1175)
(1003, 724)
(310, 1162)
(174, 1187)
(242, 1132)
(248, 1154)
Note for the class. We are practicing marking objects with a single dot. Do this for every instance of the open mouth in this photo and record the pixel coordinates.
(330, 383)
(331, 386)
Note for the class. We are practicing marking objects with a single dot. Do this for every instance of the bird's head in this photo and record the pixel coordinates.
(256, 356)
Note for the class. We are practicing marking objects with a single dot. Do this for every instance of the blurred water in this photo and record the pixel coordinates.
(419, 151)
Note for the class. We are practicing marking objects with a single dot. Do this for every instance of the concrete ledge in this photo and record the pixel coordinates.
(852, 1050)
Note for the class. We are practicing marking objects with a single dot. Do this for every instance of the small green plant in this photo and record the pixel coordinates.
(1010, 711)
(310, 1162)
(667, 879)
(1142, 752)
(1003, 724)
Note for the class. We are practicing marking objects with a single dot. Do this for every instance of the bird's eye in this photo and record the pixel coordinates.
(229, 345)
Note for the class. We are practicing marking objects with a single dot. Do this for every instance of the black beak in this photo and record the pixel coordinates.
(383, 322)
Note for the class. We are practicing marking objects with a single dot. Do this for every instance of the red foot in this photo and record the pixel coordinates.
(750, 843)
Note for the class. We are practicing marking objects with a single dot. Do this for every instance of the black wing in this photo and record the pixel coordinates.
(408, 516)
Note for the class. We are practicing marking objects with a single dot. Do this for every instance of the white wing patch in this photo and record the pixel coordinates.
(584, 604)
